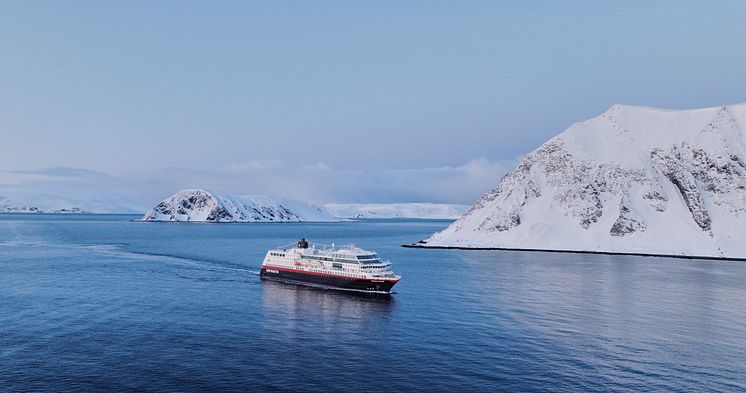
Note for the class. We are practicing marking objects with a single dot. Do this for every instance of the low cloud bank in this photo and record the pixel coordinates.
(315, 182)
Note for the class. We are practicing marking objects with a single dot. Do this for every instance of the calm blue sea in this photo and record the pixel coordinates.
(101, 303)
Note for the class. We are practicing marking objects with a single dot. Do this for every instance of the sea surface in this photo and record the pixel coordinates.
(102, 303)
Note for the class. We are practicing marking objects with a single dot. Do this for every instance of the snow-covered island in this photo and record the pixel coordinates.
(633, 180)
(207, 206)
(397, 210)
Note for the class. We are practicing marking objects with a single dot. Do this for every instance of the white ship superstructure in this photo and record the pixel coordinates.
(345, 267)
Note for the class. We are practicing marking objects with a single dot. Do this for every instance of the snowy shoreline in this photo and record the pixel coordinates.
(555, 251)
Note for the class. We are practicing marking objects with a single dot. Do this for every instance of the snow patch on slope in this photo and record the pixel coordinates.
(202, 205)
(634, 179)
(396, 210)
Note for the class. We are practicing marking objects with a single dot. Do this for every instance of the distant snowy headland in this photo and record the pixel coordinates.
(396, 210)
(28, 202)
(208, 206)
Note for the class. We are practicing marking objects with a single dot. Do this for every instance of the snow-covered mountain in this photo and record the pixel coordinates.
(202, 205)
(396, 210)
(635, 179)
(27, 202)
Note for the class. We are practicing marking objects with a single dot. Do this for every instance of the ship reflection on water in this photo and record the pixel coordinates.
(284, 298)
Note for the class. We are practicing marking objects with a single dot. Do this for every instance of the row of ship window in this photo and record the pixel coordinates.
(329, 259)
(350, 274)
(360, 257)
(338, 266)
(276, 254)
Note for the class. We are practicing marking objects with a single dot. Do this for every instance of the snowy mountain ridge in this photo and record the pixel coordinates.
(634, 179)
(396, 210)
(203, 205)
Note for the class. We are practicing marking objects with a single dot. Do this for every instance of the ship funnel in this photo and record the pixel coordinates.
(302, 243)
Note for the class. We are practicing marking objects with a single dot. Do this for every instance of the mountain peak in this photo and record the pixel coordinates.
(634, 179)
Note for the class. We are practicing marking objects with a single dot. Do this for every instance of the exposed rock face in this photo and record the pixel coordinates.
(201, 205)
(675, 171)
(634, 179)
(628, 222)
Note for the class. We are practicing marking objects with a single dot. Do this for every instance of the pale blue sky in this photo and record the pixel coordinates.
(159, 89)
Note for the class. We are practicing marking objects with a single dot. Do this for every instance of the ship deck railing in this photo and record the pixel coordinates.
(323, 247)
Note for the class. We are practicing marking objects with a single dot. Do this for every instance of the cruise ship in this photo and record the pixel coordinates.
(345, 267)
